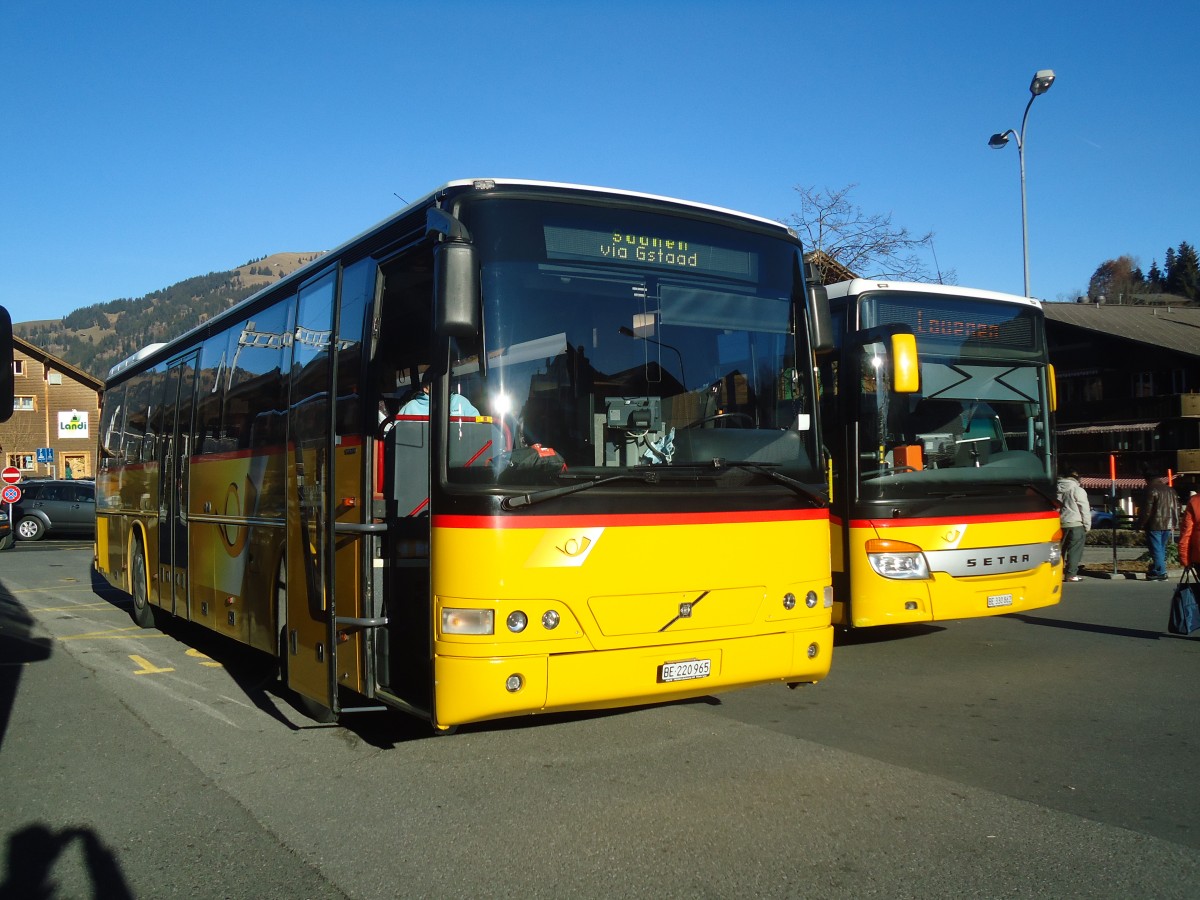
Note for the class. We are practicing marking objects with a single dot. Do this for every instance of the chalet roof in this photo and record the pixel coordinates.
(832, 271)
(1175, 328)
(50, 361)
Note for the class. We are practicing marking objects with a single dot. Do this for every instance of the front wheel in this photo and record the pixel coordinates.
(143, 612)
(30, 528)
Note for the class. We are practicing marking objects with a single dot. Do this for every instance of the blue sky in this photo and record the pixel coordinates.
(143, 143)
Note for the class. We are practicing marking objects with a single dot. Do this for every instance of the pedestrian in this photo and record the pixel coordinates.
(1159, 518)
(1189, 533)
(1075, 514)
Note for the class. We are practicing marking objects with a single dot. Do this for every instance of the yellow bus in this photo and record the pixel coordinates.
(523, 447)
(937, 405)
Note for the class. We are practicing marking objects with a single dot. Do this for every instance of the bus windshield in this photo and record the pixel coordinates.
(981, 417)
(621, 340)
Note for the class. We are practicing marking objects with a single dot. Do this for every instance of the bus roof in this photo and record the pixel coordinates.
(857, 286)
(462, 185)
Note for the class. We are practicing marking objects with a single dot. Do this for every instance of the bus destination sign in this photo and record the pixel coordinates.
(657, 250)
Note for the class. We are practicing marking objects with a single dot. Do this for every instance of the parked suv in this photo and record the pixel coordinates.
(54, 506)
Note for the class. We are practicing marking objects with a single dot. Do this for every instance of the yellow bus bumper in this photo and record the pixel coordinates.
(894, 602)
(476, 689)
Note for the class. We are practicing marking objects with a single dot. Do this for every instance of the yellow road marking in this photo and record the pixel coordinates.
(207, 660)
(104, 604)
(147, 668)
(112, 633)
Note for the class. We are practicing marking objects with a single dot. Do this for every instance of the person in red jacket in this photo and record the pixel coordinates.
(1189, 534)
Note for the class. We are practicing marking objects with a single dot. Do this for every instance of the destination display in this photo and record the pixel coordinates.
(654, 249)
(958, 320)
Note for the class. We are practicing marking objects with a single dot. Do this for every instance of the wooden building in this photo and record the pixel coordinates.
(1128, 393)
(56, 410)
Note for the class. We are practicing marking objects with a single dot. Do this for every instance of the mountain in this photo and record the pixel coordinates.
(96, 337)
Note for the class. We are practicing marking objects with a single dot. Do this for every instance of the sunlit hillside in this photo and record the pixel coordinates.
(95, 337)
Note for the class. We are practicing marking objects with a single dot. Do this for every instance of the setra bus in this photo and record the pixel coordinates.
(937, 407)
(522, 447)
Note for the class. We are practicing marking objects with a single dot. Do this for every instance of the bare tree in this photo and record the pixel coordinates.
(870, 246)
(1118, 281)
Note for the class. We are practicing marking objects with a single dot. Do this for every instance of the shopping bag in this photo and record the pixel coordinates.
(1185, 610)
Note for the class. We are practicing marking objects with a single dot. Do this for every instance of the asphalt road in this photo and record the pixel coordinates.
(1047, 754)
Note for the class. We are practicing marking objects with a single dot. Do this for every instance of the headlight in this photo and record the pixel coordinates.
(1055, 553)
(897, 559)
(468, 621)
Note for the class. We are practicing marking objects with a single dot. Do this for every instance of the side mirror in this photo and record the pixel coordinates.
(819, 320)
(1052, 387)
(6, 366)
(456, 289)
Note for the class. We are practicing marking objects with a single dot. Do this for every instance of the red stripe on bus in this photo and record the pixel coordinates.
(627, 519)
(951, 520)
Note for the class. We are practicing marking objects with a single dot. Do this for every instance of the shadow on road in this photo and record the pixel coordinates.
(851, 637)
(255, 672)
(1089, 627)
(18, 647)
(33, 852)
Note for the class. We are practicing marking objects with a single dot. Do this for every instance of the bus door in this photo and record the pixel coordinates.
(403, 651)
(310, 647)
(178, 390)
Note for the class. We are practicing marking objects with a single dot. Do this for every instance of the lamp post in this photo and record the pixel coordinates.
(1042, 80)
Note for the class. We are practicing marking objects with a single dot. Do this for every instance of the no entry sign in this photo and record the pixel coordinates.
(10, 475)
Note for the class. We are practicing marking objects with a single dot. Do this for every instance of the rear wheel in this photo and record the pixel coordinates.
(143, 612)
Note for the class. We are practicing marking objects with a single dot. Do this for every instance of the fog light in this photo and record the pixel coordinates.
(550, 619)
(517, 621)
(789, 600)
(810, 599)
(813, 650)
(514, 683)
(910, 604)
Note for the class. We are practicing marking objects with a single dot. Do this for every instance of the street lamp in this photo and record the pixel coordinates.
(1042, 80)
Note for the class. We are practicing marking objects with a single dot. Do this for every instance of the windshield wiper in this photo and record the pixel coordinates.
(765, 469)
(510, 503)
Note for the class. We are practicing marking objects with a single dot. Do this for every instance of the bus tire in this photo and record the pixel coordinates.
(143, 612)
(310, 708)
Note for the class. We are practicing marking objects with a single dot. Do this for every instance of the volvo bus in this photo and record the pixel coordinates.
(937, 404)
(596, 501)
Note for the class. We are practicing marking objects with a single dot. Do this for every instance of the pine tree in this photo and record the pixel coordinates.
(1154, 279)
(1183, 272)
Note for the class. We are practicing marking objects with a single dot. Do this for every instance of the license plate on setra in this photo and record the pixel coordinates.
(995, 600)
(685, 670)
